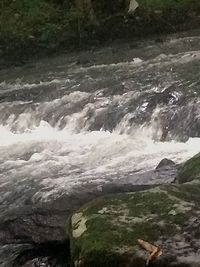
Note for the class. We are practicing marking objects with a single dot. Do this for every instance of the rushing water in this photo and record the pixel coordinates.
(64, 126)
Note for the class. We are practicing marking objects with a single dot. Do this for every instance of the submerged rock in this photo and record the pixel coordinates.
(165, 163)
(105, 231)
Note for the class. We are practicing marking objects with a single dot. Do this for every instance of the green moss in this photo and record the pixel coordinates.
(190, 170)
(151, 203)
(107, 238)
(189, 192)
(104, 257)
(96, 205)
(115, 223)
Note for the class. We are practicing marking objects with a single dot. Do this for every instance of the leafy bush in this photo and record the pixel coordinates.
(29, 27)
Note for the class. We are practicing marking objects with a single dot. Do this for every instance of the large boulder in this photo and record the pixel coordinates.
(190, 170)
(105, 231)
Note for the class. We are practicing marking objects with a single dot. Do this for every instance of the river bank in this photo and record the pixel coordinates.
(42, 28)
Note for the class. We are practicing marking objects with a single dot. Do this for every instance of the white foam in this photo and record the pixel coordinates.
(57, 161)
(99, 149)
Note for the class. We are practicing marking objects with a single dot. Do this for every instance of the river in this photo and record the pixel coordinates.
(76, 126)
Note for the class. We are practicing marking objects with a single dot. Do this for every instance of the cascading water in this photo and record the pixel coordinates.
(79, 129)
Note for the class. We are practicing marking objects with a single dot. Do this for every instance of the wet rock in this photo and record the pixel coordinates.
(86, 59)
(9, 253)
(53, 254)
(165, 163)
(41, 223)
(105, 231)
(31, 227)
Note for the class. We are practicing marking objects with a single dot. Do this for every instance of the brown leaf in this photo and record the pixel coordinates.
(153, 250)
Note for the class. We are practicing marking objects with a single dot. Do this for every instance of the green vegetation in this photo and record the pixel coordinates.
(28, 27)
(114, 223)
(190, 170)
(108, 227)
(37, 27)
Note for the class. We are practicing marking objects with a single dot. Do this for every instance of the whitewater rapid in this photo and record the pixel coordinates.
(59, 160)
(95, 149)
(70, 126)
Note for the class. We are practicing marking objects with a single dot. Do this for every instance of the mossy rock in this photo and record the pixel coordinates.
(190, 170)
(105, 231)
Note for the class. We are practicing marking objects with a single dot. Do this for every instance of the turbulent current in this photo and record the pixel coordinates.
(69, 129)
